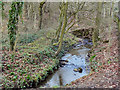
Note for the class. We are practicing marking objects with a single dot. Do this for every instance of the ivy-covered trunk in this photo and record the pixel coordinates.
(16, 9)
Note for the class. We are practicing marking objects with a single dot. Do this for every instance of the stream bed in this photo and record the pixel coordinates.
(75, 59)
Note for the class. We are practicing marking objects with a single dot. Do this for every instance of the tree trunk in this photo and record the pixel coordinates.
(111, 9)
(63, 28)
(25, 10)
(25, 15)
(119, 17)
(16, 9)
(41, 13)
(119, 29)
(31, 13)
(60, 24)
(59, 28)
(97, 29)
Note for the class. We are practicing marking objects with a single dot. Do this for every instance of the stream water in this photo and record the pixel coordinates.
(76, 58)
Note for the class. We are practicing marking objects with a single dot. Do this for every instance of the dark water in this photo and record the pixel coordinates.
(76, 58)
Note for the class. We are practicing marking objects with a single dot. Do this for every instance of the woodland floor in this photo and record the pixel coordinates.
(106, 62)
(106, 75)
(31, 62)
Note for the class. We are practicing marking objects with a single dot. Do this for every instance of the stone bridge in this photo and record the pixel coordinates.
(83, 32)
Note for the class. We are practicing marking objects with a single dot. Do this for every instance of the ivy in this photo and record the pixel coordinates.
(2, 8)
(16, 10)
(92, 57)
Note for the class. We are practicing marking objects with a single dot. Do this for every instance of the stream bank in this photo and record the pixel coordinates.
(74, 64)
(105, 65)
(30, 65)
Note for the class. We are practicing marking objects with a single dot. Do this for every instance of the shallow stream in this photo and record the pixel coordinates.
(76, 58)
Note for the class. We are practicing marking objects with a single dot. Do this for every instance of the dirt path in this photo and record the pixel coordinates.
(107, 75)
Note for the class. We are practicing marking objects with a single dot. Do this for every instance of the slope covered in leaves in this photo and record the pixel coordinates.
(104, 64)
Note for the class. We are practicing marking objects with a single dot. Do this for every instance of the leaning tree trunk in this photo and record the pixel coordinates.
(65, 7)
(59, 28)
(60, 22)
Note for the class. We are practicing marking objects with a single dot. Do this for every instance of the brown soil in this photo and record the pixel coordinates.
(107, 75)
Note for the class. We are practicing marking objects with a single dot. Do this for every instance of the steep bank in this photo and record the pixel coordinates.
(104, 66)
